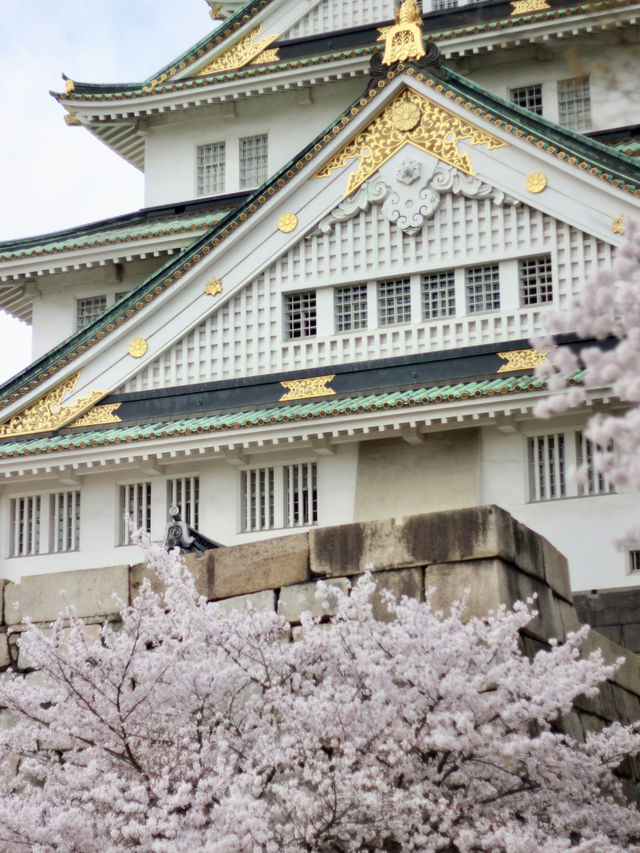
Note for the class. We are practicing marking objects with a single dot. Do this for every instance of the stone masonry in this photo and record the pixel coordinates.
(481, 553)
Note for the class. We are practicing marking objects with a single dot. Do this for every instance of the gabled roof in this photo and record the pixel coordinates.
(110, 111)
(618, 173)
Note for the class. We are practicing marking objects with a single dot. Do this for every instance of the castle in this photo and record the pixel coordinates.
(355, 219)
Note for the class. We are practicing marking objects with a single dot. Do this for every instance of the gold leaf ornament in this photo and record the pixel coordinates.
(403, 40)
(522, 359)
(250, 49)
(536, 182)
(50, 412)
(304, 389)
(409, 119)
(213, 287)
(138, 347)
(287, 223)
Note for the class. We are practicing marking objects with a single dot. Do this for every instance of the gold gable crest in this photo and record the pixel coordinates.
(409, 119)
(403, 40)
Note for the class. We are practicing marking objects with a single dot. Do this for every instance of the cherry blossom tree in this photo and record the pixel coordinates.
(609, 311)
(186, 728)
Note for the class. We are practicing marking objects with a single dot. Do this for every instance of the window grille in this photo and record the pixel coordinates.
(300, 314)
(483, 289)
(444, 4)
(24, 519)
(547, 467)
(634, 562)
(300, 494)
(210, 168)
(64, 521)
(597, 483)
(135, 505)
(350, 304)
(394, 302)
(536, 285)
(574, 103)
(89, 310)
(258, 499)
(438, 295)
(184, 492)
(253, 161)
(528, 97)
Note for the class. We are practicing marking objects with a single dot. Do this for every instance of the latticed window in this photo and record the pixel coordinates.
(253, 161)
(483, 289)
(596, 482)
(135, 505)
(574, 103)
(547, 467)
(24, 521)
(438, 295)
(444, 4)
(184, 492)
(64, 521)
(536, 286)
(394, 302)
(88, 310)
(279, 496)
(528, 97)
(258, 499)
(300, 494)
(350, 305)
(210, 168)
(300, 314)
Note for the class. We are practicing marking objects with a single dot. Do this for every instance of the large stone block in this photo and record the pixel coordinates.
(43, 598)
(265, 600)
(556, 570)
(199, 567)
(481, 583)
(628, 674)
(268, 564)
(609, 607)
(301, 598)
(401, 583)
(351, 549)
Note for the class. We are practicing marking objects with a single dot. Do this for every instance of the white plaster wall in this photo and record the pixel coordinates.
(611, 67)
(584, 528)
(219, 508)
(54, 302)
(291, 120)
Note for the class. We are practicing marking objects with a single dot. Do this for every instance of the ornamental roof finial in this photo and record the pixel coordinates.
(403, 40)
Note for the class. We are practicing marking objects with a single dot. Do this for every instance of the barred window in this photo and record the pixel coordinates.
(184, 492)
(300, 494)
(279, 496)
(444, 4)
(438, 295)
(536, 285)
(394, 302)
(547, 467)
(258, 499)
(634, 562)
(64, 521)
(483, 289)
(528, 97)
(350, 305)
(596, 482)
(24, 520)
(135, 505)
(300, 314)
(574, 103)
(88, 310)
(253, 161)
(210, 168)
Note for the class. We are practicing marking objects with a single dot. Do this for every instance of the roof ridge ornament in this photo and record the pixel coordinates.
(403, 41)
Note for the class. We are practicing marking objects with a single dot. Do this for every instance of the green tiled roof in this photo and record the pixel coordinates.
(81, 239)
(323, 408)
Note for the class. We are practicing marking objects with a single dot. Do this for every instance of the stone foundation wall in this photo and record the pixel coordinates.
(481, 553)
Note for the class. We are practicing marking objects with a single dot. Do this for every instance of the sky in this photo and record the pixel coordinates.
(53, 176)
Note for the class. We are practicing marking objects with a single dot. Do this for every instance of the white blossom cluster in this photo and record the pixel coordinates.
(608, 310)
(187, 729)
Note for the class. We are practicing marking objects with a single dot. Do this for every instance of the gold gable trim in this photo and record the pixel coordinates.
(250, 49)
(304, 389)
(522, 359)
(98, 416)
(49, 412)
(409, 119)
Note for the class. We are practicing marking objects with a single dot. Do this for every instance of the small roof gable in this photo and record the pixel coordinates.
(535, 143)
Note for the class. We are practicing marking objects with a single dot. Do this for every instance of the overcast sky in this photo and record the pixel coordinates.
(53, 176)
